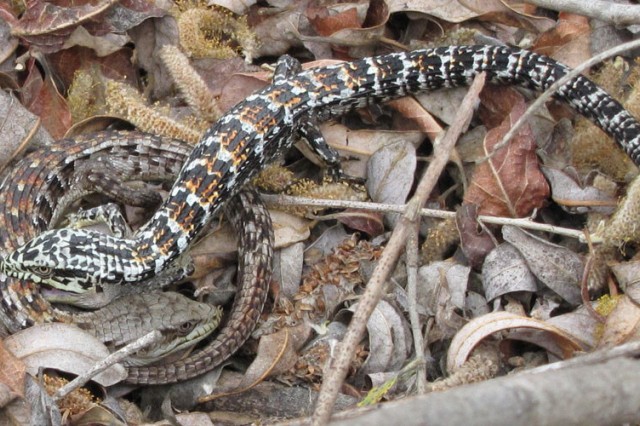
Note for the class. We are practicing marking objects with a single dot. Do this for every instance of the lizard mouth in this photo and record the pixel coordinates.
(93, 298)
(173, 344)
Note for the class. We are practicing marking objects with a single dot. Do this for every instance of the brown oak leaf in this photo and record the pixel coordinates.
(510, 183)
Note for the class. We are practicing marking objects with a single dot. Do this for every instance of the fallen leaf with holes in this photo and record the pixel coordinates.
(485, 326)
(510, 183)
(557, 267)
(505, 271)
(63, 347)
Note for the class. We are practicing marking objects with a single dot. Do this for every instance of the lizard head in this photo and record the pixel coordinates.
(182, 322)
(67, 259)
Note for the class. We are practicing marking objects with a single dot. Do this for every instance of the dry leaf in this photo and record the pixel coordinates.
(12, 373)
(364, 221)
(287, 270)
(359, 145)
(557, 267)
(628, 277)
(63, 347)
(391, 171)
(434, 297)
(482, 327)
(505, 271)
(448, 10)
(568, 41)
(48, 26)
(622, 324)
(277, 353)
(42, 98)
(475, 241)
(510, 182)
(581, 324)
(389, 340)
(582, 199)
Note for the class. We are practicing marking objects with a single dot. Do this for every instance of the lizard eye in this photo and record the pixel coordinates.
(43, 271)
(186, 327)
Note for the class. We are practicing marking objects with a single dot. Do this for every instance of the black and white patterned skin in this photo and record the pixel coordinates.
(252, 133)
(48, 180)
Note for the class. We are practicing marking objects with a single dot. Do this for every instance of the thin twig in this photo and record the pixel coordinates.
(338, 371)
(144, 341)
(412, 302)
(527, 223)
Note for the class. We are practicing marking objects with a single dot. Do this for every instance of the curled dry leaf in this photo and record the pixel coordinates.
(277, 353)
(557, 267)
(571, 195)
(63, 347)
(388, 337)
(505, 271)
(579, 323)
(482, 327)
(510, 182)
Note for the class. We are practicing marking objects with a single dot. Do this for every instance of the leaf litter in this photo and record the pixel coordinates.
(492, 287)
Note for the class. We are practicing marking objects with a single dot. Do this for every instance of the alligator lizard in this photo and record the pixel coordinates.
(183, 323)
(33, 189)
(257, 129)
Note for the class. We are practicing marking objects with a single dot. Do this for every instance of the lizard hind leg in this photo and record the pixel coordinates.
(307, 130)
